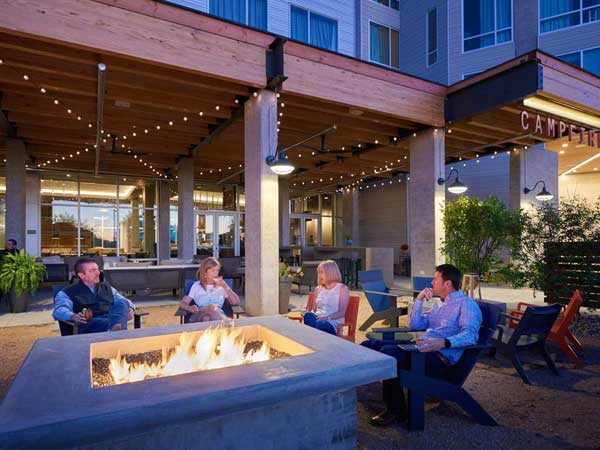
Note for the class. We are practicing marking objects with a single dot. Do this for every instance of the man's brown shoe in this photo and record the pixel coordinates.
(387, 418)
(117, 327)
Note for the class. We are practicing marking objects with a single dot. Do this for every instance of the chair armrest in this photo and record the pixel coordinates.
(393, 330)
(180, 312)
(508, 316)
(381, 293)
(73, 324)
(413, 347)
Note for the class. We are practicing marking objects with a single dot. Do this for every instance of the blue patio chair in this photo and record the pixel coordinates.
(451, 386)
(420, 283)
(531, 333)
(229, 310)
(383, 302)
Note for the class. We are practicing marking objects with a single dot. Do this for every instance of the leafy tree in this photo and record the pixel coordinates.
(573, 221)
(477, 231)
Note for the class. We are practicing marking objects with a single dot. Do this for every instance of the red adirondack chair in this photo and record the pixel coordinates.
(560, 332)
(350, 318)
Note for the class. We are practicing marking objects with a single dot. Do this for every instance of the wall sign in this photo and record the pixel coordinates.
(557, 129)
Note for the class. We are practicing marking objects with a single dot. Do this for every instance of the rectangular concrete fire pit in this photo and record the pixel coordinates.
(306, 400)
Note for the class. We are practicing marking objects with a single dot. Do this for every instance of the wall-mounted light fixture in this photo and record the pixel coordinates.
(543, 195)
(282, 166)
(279, 164)
(455, 188)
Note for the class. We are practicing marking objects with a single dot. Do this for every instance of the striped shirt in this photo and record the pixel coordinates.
(457, 319)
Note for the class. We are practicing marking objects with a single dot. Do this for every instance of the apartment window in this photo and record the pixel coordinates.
(486, 23)
(384, 45)
(558, 14)
(432, 45)
(586, 59)
(313, 29)
(247, 12)
(394, 4)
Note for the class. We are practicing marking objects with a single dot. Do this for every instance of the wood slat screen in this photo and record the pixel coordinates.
(570, 266)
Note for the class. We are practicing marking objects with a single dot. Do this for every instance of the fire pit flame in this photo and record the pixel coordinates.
(214, 348)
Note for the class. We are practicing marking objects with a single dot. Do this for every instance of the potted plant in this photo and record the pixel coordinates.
(20, 276)
(286, 275)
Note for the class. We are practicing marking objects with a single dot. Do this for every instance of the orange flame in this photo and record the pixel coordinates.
(215, 348)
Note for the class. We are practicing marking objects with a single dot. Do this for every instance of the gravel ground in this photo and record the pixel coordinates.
(559, 413)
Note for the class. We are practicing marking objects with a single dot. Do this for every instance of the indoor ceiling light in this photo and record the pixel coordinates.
(562, 111)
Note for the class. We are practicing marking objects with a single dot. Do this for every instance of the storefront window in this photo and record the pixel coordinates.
(101, 192)
(59, 229)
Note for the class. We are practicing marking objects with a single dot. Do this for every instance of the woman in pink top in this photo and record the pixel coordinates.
(331, 299)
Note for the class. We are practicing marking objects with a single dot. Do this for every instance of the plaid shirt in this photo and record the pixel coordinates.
(457, 319)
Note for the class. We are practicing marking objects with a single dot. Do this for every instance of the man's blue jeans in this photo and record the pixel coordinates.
(117, 313)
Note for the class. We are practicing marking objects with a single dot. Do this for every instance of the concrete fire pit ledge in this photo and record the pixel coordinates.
(301, 402)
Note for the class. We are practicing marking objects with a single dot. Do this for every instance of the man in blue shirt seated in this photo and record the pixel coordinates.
(110, 310)
(455, 322)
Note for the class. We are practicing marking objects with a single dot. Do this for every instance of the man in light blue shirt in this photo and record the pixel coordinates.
(449, 325)
(106, 309)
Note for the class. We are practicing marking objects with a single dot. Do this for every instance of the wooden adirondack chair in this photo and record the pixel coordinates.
(381, 298)
(531, 332)
(451, 387)
(560, 333)
(350, 318)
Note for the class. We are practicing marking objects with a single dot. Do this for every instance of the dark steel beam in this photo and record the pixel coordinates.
(492, 93)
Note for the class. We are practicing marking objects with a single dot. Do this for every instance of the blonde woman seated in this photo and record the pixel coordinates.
(331, 299)
(205, 300)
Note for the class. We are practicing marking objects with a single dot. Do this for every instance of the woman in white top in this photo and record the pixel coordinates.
(205, 300)
(331, 299)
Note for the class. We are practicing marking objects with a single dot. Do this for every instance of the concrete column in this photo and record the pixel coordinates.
(350, 211)
(33, 220)
(16, 156)
(262, 217)
(164, 219)
(284, 211)
(186, 236)
(426, 198)
(149, 220)
(134, 230)
(526, 168)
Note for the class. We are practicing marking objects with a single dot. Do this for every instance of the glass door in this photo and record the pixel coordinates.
(205, 241)
(312, 232)
(226, 242)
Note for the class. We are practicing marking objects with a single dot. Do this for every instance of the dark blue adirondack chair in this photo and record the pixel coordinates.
(451, 386)
(381, 298)
(531, 333)
(227, 308)
(420, 283)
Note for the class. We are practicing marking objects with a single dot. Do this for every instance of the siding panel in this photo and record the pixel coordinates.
(413, 40)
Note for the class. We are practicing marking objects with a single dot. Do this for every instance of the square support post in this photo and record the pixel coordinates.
(426, 200)
(164, 220)
(16, 156)
(186, 233)
(262, 205)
